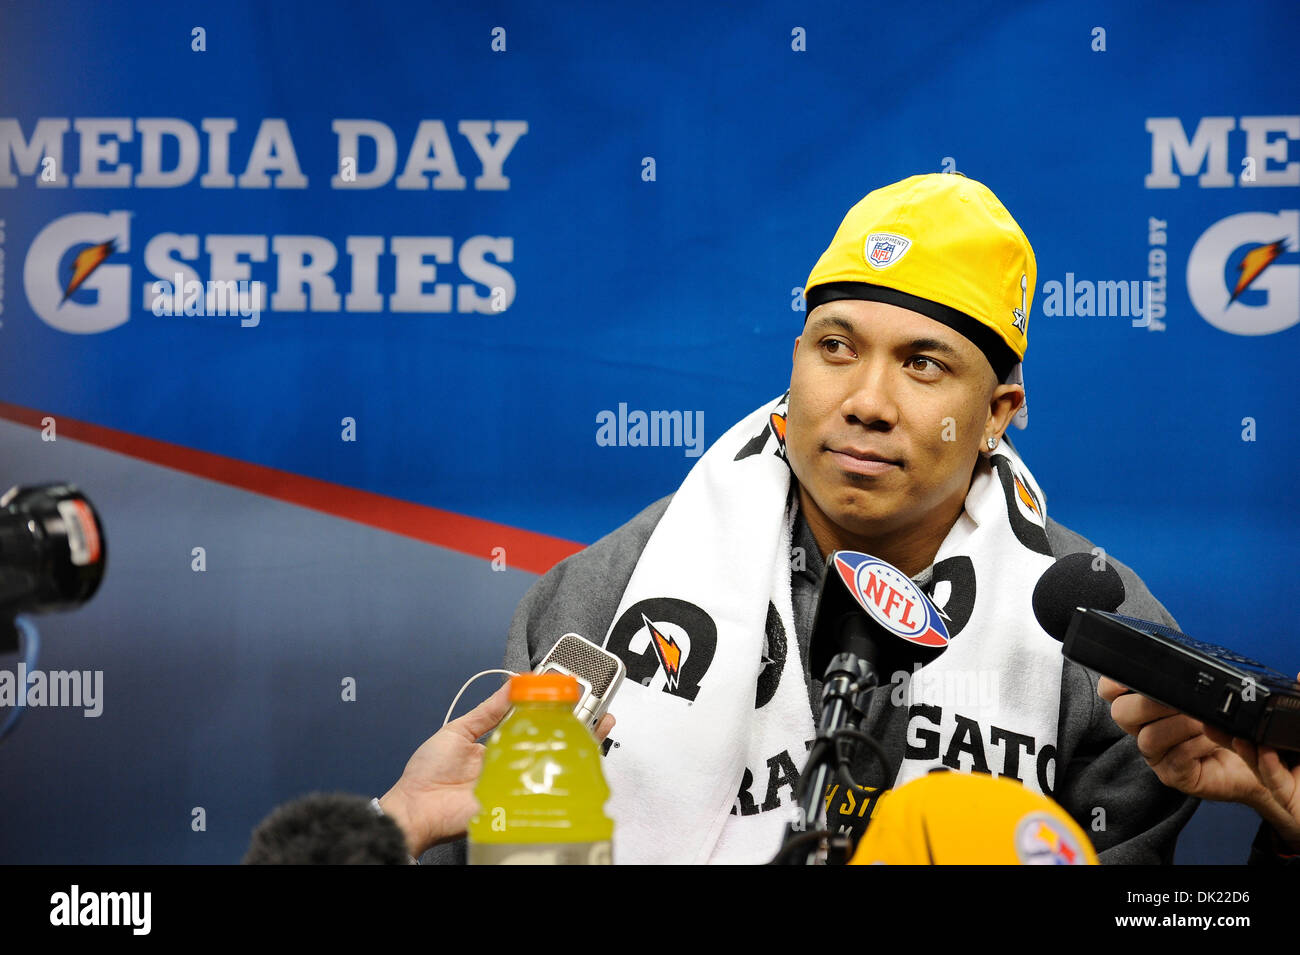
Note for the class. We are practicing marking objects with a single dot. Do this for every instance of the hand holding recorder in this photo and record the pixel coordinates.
(1206, 762)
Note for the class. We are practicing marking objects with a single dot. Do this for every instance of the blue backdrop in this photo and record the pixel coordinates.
(476, 229)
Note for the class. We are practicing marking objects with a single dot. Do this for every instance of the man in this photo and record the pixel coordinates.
(889, 441)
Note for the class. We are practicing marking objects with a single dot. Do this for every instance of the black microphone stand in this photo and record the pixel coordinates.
(852, 647)
(846, 693)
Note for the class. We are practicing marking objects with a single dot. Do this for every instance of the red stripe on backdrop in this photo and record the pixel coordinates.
(524, 550)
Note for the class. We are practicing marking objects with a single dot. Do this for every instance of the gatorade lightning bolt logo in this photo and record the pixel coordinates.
(674, 642)
(775, 426)
(891, 597)
(668, 652)
(1027, 497)
(1042, 840)
(778, 428)
(1025, 506)
(1254, 264)
(86, 262)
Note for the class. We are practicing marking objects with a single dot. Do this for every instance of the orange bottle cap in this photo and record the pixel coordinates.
(544, 688)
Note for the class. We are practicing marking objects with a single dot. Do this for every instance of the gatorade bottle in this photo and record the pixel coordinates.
(541, 795)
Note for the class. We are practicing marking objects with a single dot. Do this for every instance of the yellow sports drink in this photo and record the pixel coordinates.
(541, 794)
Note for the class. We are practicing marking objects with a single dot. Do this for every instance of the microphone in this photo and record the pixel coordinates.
(52, 549)
(599, 674)
(871, 618)
(52, 555)
(327, 829)
(1218, 686)
(948, 818)
(1070, 583)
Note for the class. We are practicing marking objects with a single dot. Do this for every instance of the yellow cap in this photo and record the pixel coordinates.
(942, 245)
(949, 818)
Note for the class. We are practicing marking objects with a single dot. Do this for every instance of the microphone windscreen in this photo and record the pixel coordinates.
(52, 549)
(1076, 580)
(327, 829)
(949, 818)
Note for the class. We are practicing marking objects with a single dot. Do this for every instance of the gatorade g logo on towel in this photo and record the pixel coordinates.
(665, 642)
(773, 427)
(1024, 509)
(952, 591)
(777, 423)
(773, 659)
(891, 597)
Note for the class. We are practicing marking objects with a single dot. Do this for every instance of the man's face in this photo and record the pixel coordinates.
(888, 412)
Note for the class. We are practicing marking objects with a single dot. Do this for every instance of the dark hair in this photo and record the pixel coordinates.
(998, 352)
(327, 829)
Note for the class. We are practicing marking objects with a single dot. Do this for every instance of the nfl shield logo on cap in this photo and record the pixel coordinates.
(883, 249)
